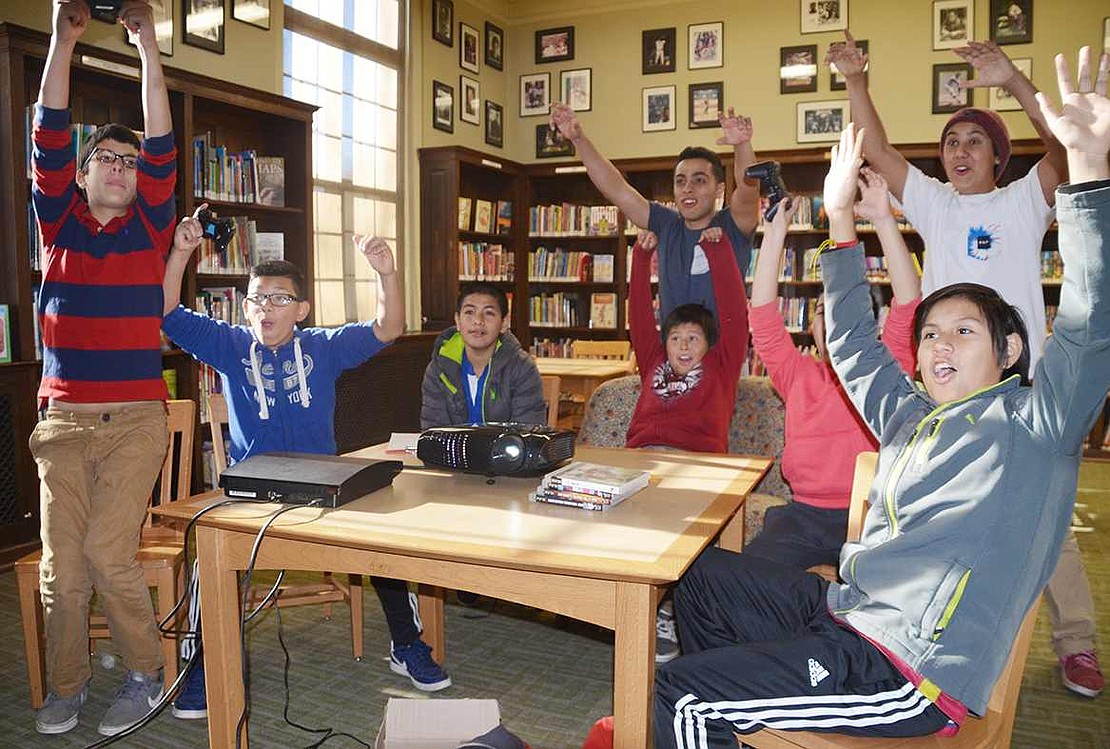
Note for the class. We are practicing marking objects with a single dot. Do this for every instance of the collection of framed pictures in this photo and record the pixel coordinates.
(471, 54)
(203, 21)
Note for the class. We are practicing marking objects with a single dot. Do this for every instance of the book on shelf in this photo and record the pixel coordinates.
(482, 261)
(169, 376)
(270, 180)
(483, 216)
(466, 206)
(269, 245)
(240, 254)
(221, 303)
(504, 222)
(603, 310)
(567, 219)
(559, 310)
(603, 268)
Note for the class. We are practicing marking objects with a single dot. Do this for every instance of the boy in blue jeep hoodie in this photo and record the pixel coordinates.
(279, 382)
(974, 492)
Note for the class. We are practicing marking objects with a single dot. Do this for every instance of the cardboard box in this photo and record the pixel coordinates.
(435, 724)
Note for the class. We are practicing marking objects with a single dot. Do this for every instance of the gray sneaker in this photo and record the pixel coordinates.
(666, 639)
(59, 714)
(138, 694)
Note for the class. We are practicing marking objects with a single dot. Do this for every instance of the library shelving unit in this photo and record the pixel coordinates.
(105, 87)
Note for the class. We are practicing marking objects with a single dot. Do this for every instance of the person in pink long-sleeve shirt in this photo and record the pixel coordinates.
(823, 432)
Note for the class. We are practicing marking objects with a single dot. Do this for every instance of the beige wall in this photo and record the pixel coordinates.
(252, 56)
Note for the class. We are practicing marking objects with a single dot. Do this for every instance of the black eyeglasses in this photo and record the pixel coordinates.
(278, 300)
(107, 157)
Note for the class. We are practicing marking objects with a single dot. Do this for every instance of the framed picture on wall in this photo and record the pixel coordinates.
(949, 87)
(443, 107)
(495, 124)
(163, 26)
(1000, 99)
(823, 15)
(550, 145)
(470, 101)
(495, 46)
(798, 69)
(822, 121)
(1011, 21)
(837, 82)
(204, 24)
(254, 12)
(555, 45)
(535, 94)
(443, 22)
(658, 51)
(575, 88)
(659, 109)
(707, 45)
(468, 47)
(953, 23)
(705, 104)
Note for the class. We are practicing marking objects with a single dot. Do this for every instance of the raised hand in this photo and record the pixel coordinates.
(849, 59)
(711, 234)
(874, 203)
(138, 18)
(780, 225)
(1082, 123)
(843, 177)
(565, 121)
(71, 18)
(737, 129)
(376, 252)
(188, 234)
(647, 241)
(992, 66)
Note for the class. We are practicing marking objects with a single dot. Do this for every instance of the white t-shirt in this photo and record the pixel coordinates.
(993, 239)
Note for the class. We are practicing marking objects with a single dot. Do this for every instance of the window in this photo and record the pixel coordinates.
(344, 56)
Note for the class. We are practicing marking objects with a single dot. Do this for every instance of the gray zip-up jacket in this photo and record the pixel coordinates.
(972, 498)
(513, 390)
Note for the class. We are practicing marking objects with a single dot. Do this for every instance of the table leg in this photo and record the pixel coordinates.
(633, 665)
(430, 603)
(220, 622)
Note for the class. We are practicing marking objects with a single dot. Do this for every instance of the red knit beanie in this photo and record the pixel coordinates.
(992, 125)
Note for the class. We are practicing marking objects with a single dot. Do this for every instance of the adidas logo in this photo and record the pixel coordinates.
(817, 673)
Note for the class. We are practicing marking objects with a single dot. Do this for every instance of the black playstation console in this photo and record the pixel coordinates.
(306, 478)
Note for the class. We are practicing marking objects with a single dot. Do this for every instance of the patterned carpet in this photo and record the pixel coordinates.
(552, 677)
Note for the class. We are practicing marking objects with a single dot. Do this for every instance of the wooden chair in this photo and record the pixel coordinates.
(600, 350)
(866, 463)
(992, 731)
(329, 590)
(551, 385)
(161, 555)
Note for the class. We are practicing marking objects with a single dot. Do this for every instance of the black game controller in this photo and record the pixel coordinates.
(219, 230)
(769, 174)
(105, 10)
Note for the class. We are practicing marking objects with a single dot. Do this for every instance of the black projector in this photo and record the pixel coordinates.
(306, 478)
(497, 449)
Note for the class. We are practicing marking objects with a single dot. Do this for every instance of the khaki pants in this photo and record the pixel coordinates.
(1071, 610)
(96, 473)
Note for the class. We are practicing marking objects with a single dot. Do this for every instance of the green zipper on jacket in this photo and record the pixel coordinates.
(950, 609)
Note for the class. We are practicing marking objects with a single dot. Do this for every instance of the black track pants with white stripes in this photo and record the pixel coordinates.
(760, 649)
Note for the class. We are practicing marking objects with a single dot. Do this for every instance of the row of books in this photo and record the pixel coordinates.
(1052, 265)
(482, 261)
(485, 216)
(590, 486)
(558, 348)
(811, 214)
(569, 220)
(628, 265)
(569, 265)
(236, 176)
(558, 310)
(80, 130)
(247, 248)
(221, 303)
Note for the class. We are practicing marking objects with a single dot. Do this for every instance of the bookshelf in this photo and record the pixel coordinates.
(105, 87)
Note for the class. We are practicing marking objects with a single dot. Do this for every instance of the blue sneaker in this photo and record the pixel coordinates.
(191, 702)
(415, 661)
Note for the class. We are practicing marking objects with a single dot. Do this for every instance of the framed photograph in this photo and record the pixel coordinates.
(163, 26)
(495, 124)
(705, 104)
(495, 46)
(204, 24)
(535, 94)
(550, 145)
(254, 12)
(443, 22)
(5, 334)
(822, 121)
(658, 55)
(953, 23)
(575, 88)
(443, 107)
(823, 15)
(470, 101)
(837, 82)
(798, 69)
(468, 47)
(1106, 35)
(1011, 21)
(1000, 98)
(658, 109)
(949, 92)
(707, 45)
(555, 45)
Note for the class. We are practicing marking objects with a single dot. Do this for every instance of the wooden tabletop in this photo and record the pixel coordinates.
(583, 367)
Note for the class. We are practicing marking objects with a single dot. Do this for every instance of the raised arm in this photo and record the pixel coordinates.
(994, 68)
(646, 343)
(880, 154)
(186, 239)
(874, 205)
(606, 177)
(70, 19)
(391, 302)
(138, 18)
(744, 201)
(765, 282)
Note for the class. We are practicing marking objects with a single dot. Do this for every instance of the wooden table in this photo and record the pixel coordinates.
(449, 530)
(582, 376)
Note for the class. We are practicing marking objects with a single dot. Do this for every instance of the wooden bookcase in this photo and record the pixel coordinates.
(105, 87)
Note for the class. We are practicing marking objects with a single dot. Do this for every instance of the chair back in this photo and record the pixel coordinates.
(551, 385)
(866, 464)
(176, 479)
(600, 350)
(217, 420)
